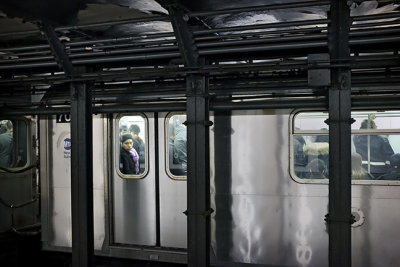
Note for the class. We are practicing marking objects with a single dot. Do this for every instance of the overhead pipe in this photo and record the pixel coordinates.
(356, 102)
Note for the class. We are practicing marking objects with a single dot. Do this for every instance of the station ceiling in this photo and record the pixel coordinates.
(254, 48)
(23, 15)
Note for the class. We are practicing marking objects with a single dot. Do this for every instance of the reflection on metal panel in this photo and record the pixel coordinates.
(60, 183)
(134, 203)
(273, 218)
(173, 227)
(376, 241)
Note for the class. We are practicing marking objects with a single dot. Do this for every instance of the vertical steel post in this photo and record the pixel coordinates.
(198, 163)
(339, 217)
(198, 180)
(81, 176)
(81, 156)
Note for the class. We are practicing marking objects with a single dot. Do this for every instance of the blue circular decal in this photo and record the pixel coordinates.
(67, 144)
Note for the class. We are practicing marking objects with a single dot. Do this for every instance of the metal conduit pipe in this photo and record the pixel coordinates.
(214, 105)
(91, 42)
(93, 54)
(264, 41)
(269, 104)
(259, 33)
(370, 25)
(159, 35)
(123, 39)
(263, 26)
(392, 30)
(206, 52)
(392, 15)
(125, 45)
(366, 41)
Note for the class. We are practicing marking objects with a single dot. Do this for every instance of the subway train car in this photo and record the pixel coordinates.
(267, 211)
(220, 133)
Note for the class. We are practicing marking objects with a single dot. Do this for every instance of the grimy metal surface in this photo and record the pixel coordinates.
(55, 149)
(261, 214)
(133, 200)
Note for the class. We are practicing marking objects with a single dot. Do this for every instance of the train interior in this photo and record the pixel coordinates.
(247, 120)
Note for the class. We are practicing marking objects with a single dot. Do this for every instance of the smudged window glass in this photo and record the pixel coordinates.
(13, 144)
(132, 145)
(176, 148)
(375, 145)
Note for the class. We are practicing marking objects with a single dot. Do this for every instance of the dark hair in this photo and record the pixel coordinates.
(125, 137)
(7, 123)
(395, 161)
(123, 128)
(364, 124)
(134, 129)
(317, 166)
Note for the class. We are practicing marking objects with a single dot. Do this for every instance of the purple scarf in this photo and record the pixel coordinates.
(135, 159)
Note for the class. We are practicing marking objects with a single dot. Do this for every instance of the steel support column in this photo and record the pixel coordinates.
(81, 157)
(339, 217)
(81, 176)
(198, 163)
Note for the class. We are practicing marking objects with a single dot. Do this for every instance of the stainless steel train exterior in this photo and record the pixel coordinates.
(263, 215)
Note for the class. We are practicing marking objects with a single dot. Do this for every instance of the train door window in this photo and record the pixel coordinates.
(13, 144)
(132, 139)
(176, 159)
(375, 145)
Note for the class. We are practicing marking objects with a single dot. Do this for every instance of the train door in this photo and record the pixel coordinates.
(18, 168)
(132, 183)
(172, 179)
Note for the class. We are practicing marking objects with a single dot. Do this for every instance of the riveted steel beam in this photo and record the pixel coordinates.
(339, 217)
(198, 174)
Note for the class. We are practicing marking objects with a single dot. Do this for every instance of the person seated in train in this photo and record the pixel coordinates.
(138, 145)
(129, 158)
(6, 144)
(300, 158)
(180, 148)
(317, 169)
(123, 129)
(379, 150)
(394, 171)
(357, 170)
(318, 150)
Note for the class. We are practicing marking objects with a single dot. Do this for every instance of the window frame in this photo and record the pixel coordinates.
(293, 132)
(166, 141)
(116, 146)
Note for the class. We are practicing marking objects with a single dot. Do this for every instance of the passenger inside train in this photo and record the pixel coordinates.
(177, 145)
(357, 170)
(394, 171)
(317, 169)
(139, 146)
(129, 158)
(6, 143)
(375, 150)
(372, 148)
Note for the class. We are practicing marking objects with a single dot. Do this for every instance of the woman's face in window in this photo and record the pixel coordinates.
(127, 145)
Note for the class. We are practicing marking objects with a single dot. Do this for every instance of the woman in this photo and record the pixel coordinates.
(357, 170)
(129, 158)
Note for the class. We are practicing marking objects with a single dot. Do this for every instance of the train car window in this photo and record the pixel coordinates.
(176, 159)
(13, 144)
(375, 147)
(131, 144)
